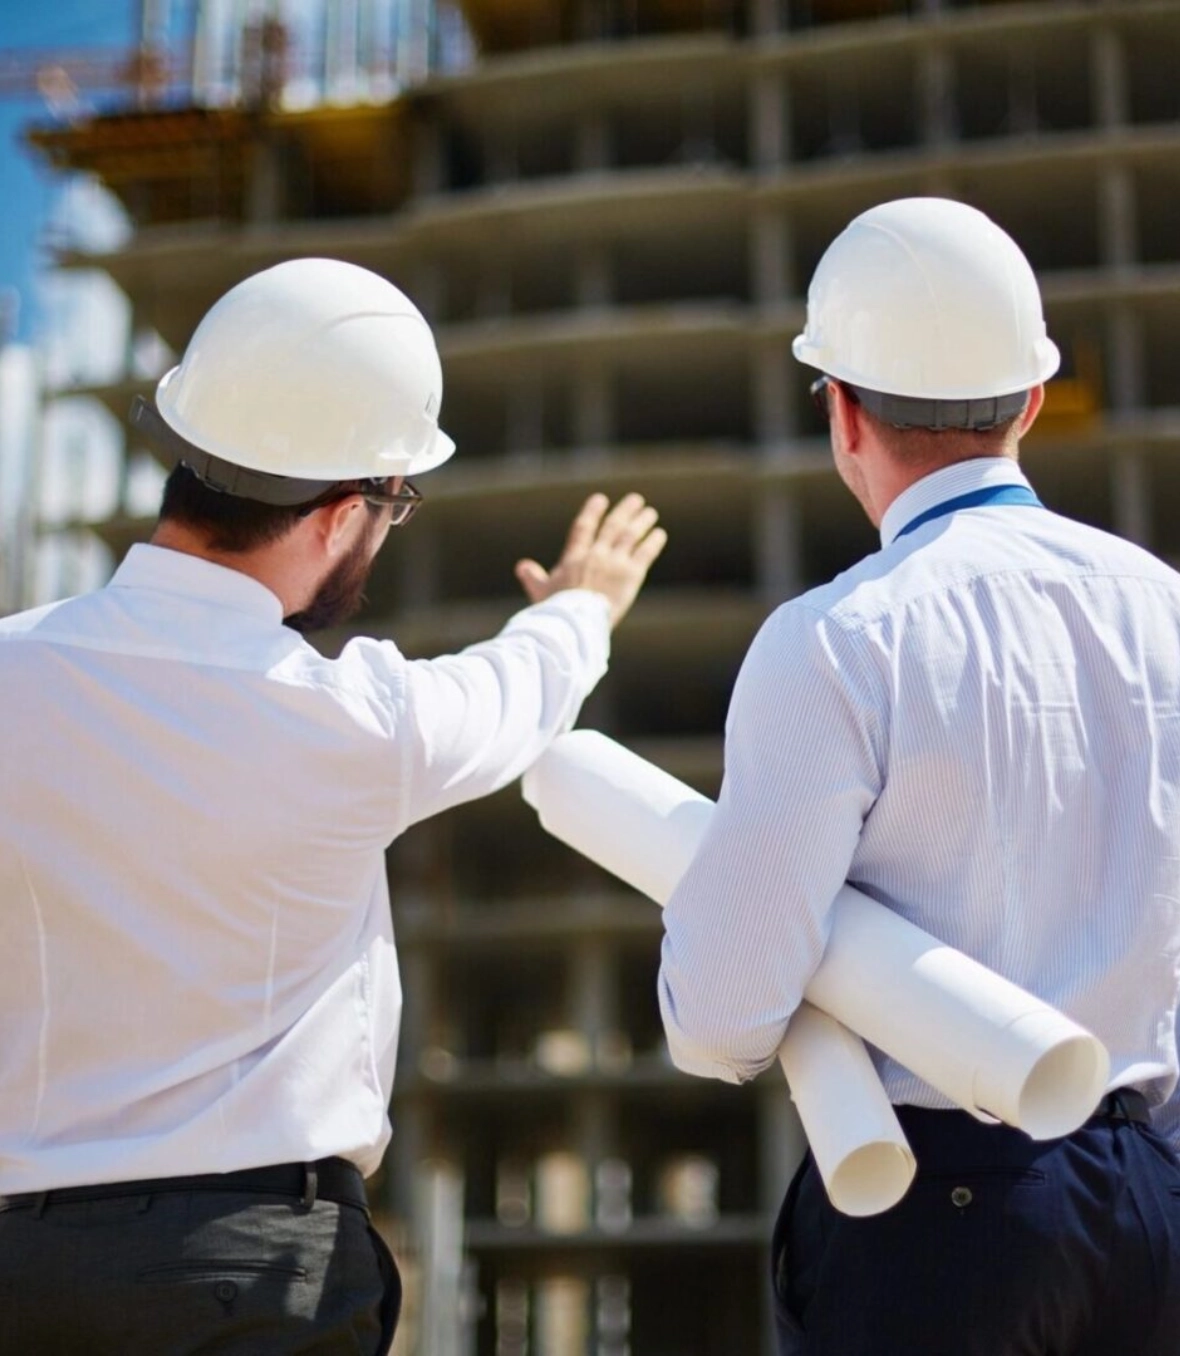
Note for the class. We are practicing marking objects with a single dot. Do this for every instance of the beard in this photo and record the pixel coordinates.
(341, 592)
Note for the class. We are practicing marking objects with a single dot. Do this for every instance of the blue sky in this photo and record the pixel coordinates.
(27, 190)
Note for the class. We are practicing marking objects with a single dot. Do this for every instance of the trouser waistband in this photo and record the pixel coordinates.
(1124, 1104)
(330, 1179)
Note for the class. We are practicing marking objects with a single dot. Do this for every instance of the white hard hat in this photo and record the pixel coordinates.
(927, 299)
(314, 370)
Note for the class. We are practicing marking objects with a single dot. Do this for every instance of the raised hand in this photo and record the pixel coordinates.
(609, 550)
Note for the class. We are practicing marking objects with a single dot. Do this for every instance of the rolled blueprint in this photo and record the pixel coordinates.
(624, 813)
(989, 1046)
(644, 825)
(859, 1148)
(982, 1041)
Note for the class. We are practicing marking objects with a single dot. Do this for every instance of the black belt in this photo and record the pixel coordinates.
(330, 1179)
(1124, 1104)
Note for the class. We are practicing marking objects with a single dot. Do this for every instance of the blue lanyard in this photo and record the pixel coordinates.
(990, 494)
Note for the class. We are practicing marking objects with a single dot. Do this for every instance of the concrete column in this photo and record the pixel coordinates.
(769, 113)
(770, 256)
(500, 150)
(939, 184)
(1131, 497)
(429, 284)
(1022, 92)
(1118, 228)
(593, 1000)
(1126, 374)
(494, 287)
(407, 1149)
(594, 1010)
(264, 188)
(698, 113)
(1130, 489)
(1118, 225)
(778, 552)
(940, 121)
(589, 21)
(764, 17)
(594, 282)
(438, 1219)
(774, 420)
(526, 416)
(429, 170)
(592, 150)
(594, 412)
(1108, 78)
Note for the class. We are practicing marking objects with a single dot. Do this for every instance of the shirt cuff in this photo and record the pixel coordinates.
(690, 1060)
(588, 612)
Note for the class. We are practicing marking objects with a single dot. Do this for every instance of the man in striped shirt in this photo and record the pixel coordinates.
(979, 726)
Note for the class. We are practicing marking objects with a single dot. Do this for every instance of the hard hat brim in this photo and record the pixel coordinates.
(1047, 361)
(442, 448)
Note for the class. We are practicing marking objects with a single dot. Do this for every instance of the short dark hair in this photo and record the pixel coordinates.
(229, 523)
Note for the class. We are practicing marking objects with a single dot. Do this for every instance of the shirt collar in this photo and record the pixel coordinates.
(948, 483)
(162, 570)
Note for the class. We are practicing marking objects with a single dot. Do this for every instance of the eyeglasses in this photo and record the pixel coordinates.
(403, 503)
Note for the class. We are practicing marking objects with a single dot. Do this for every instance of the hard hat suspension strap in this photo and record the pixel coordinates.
(913, 412)
(223, 476)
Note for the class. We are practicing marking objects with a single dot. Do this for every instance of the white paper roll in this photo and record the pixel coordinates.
(859, 1147)
(985, 1043)
(644, 826)
(639, 822)
(981, 1040)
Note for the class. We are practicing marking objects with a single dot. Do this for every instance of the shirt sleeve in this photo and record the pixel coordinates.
(746, 927)
(478, 719)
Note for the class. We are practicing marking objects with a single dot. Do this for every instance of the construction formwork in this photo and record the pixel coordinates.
(610, 217)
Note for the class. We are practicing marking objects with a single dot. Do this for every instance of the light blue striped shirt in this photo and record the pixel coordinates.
(979, 726)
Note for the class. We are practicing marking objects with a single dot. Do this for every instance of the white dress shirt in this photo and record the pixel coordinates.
(978, 726)
(197, 967)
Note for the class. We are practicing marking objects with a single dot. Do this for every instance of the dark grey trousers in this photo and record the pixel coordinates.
(200, 1273)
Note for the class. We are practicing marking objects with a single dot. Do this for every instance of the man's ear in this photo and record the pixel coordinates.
(846, 419)
(335, 524)
(1036, 398)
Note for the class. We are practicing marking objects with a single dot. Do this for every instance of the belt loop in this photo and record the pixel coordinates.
(41, 1203)
(310, 1185)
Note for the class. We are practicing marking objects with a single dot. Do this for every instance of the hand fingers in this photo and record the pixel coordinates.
(532, 577)
(649, 548)
(638, 527)
(585, 526)
(619, 519)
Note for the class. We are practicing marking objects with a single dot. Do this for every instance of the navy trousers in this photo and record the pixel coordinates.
(1003, 1247)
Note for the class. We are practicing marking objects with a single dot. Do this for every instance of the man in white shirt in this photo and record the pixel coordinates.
(978, 726)
(199, 993)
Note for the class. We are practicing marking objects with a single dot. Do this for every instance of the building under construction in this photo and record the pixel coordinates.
(610, 213)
